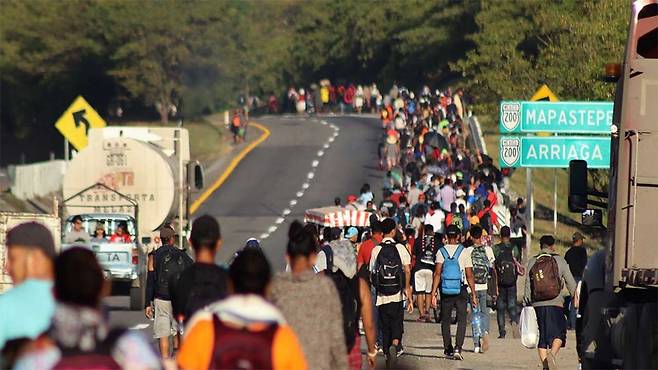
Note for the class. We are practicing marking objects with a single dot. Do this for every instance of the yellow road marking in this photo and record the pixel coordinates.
(231, 167)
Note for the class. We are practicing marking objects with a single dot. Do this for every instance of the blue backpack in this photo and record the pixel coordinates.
(451, 273)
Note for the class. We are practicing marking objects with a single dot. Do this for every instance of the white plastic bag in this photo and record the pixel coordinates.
(529, 327)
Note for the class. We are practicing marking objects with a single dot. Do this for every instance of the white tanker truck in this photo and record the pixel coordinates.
(618, 328)
(136, 178)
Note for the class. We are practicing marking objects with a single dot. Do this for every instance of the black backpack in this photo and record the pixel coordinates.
(329, 256)
(388, 276)
(506, 267)
(348, 291)
(169, 266)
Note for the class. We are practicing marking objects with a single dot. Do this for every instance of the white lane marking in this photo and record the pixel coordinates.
(140, 327)
(315, 163)
(331, 139)
(279, 220)
(300, 194)
(305, 185)
(286, 211)
(323, 122)
(326, 146)
(310, 175)
(264, 236)
(272, 229)
(293, 202)
(320, 153)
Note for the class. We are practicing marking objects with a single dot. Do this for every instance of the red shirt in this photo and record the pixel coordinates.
(116, 238)
(365, 251)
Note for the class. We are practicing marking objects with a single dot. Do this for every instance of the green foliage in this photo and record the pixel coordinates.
(521, 45)
(199, 55)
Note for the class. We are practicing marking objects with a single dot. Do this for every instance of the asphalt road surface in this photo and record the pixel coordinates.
(269, 182)
(255, 201)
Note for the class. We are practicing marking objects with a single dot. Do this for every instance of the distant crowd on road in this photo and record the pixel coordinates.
(429, 243)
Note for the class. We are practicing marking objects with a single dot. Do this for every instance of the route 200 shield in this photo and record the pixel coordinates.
(510, 151)
(510, 115)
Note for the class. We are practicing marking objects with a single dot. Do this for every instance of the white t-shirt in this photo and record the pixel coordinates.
(321, 262)
(406, 261)
(490, 257)
(464, 258)
(437, 220)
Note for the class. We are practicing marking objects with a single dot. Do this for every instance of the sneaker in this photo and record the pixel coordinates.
(478, 350)
(515, 331)
(458, 354)
(379, 348)
(485, 343)
(391, 358)
(399, 350)
(501, 336)
(449, 352)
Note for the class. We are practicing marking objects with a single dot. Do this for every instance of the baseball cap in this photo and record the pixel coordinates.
(351, 232)
(351, 198)
(167, 232)
(577, 236)
(32, 235)
(453, 231)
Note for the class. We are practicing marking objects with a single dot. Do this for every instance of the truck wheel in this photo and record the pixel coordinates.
(137, 298)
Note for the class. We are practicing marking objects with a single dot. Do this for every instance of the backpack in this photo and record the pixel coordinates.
(545, 280)
(480, 264)
(329, 256)
(388, 277)
(236, 120)
(240, 348)
(451, 272)
(506, 267)
(427, 251)
(348, 291)
(98, 359)
(169, 267)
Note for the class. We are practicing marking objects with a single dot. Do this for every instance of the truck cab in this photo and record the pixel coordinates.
(114, 240)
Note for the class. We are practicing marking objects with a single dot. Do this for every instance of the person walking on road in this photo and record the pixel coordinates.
(79, 336)
(425, 249)
(482, 258)
(26, 309)
(576, 258)
(507, 256)
(390, 267)
(204, 281)
(363, 260)
(243, 331)
(547, 274)
(320, 333)
(165, 267)
(453, 273)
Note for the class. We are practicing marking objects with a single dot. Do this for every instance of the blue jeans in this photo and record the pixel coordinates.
(506, 302)
(375, 317)
(481, 307)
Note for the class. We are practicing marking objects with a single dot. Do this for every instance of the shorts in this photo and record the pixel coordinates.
(552, 325)
(165, 324)
(423, 281)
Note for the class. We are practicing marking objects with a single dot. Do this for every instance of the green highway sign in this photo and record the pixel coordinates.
(555, 117)
(554, 151)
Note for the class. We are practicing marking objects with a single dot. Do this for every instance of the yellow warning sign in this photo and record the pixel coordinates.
(544, 93)
(76, 121)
